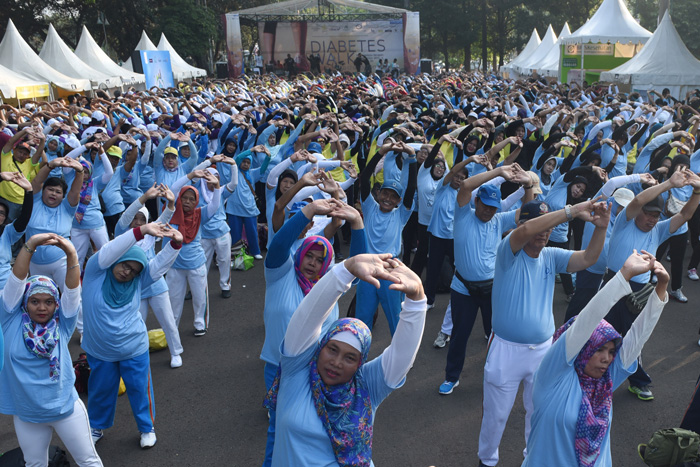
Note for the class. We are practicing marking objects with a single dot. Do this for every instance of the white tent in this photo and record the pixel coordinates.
(14, 85)
(181, 69)
(664, 62)
(526, 66)
(612, 22)
(144, 44)
(18, 56)
(91, 53)
(529, 49)
(550, 64)
(56, 53)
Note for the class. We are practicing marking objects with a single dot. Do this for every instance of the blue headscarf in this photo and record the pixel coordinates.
(117, 294)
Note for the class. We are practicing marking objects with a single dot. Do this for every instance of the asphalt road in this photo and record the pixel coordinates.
(209, 410)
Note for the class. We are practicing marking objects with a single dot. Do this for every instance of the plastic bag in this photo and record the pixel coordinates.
(243, 261)
(156, 340)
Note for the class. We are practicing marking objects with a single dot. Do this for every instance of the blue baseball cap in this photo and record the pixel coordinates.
(533, 209)
(393, 185)
(490, 195)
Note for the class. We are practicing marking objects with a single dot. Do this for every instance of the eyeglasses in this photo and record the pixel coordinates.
(130, 271)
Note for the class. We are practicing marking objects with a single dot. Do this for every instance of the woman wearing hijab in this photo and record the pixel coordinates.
(290, 275)
(241, 209)
(54, 149)
(11, 232)
(53, 212)
(115, 339)
(190, 266)
(574, 385)
(327, 391)
(37, 386)
(155, 295)
(89, 223)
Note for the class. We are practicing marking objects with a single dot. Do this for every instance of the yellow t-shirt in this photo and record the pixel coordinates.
(9, 190)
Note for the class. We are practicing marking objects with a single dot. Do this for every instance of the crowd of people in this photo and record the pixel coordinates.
(116, 204)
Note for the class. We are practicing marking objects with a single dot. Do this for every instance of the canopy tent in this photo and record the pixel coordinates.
(526, 66)
(610, 38)
(314, 10)
(664, 62)
(16, 86)
(550, 64)
(56, 53)
(612, 22)
(529, 49)
(144, 44)
(89, 52)
(181, 69)
(18, 56)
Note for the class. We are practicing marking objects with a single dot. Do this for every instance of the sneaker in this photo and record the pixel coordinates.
(441, 341)
(642, 392)
(188, 295)
(569, 297)
(200, 332)
(693, 274)
(668, 258)
(96, 435)
(430, 306)
(257, 256)
(175, 361)
(148, 440)
(225, 294)
(678, 295)
(447, 387)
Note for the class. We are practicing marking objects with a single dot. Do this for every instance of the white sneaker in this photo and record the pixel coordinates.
(257, 256)
(175, 361)
(441, 341)
(678, 295)
(693, 274)
(430, 306)
(148, 440)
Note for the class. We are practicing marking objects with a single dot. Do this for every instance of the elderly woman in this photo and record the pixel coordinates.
(115, 339)
(574, 384)
(327, 392)
(37, 385)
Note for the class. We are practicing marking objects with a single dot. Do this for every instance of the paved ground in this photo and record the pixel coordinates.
(209, 411)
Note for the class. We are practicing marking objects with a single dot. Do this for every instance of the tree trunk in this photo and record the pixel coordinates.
(468, 56)
(445, 49)
(501, 27)
(484, 48)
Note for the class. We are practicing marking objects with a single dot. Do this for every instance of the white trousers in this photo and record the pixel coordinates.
(507, 365)
(55, 270)
(447, 320)
(222, 247)
(160, 304)
(177, 280)
(74, 431)
(81, 240)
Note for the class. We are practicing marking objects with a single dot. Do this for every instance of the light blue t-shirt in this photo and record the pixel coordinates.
(300, 438)
(92, 218)
(216, 226)
(9, 237)
(111, 193)
(427, 187)
(157, 287)
(626, 236)
(476, 245)
(556, 200)
(442, 221)
(242, 201)
(383, 229)
(191, 254)
(112, 334)
(282, 297)
(523, 290)
(129, 182)
(600, 265)
(44, 219)
(25, 387)
(556, 397)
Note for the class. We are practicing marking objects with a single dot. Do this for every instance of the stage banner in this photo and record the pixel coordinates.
(337, 43)
(157, 68)
(411, 42)
(234, 44)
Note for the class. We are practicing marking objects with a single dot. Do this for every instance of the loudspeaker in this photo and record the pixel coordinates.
(222, 70)
(426, 66)
(136, 61)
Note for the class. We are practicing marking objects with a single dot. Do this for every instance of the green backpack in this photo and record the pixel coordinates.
(670, 447)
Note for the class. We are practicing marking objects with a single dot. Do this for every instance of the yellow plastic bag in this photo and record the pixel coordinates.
(156, 340)
(122, 387)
